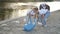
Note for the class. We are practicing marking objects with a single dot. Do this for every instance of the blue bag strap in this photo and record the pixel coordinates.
(35, 21)
(28, 20)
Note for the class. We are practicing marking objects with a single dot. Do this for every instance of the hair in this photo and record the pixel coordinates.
(35, 8)
(47, 7)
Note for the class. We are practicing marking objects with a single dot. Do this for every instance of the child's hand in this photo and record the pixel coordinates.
(42, 15)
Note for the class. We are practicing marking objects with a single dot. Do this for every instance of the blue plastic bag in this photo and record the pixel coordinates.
(29, 26)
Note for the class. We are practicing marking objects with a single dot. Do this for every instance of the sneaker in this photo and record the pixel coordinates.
(39, 23)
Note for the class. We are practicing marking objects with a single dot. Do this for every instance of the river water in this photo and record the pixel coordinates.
(15, 10)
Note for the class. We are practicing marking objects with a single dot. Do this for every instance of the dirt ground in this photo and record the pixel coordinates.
(16, 26)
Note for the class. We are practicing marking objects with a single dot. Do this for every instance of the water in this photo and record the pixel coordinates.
(15, 10)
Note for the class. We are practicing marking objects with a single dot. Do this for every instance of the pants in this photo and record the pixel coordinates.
(43, 21)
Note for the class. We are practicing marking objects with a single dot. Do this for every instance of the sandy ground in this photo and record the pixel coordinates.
(16, 26)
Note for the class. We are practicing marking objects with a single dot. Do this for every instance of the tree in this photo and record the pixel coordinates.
(48, 0)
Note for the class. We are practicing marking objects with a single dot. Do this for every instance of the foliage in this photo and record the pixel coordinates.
(48, 0)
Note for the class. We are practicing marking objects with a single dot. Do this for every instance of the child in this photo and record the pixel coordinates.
(44, 13)
(32, 14)
(31, 19)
